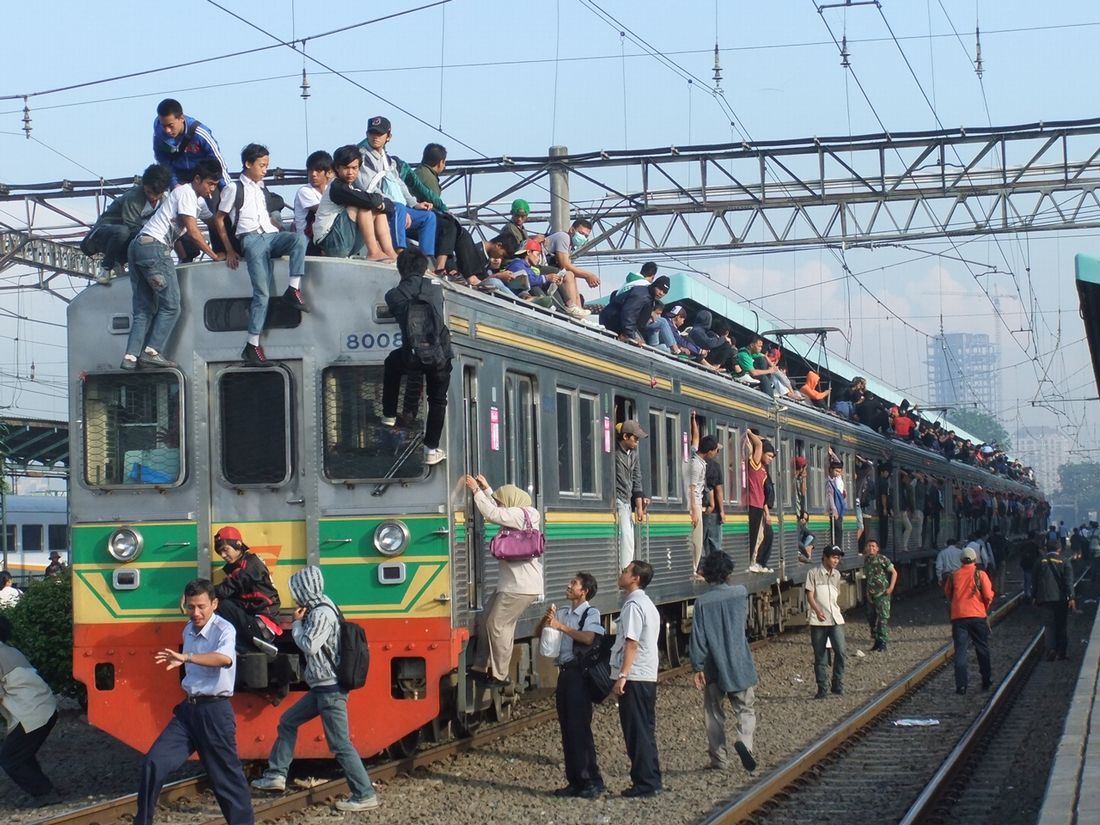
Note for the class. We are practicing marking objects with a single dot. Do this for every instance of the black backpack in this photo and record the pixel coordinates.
(426, 340)
(273, 201)
(353, 654)
(595, 663)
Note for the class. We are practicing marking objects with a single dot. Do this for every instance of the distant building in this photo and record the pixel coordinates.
(1044, 449)
(962, 370)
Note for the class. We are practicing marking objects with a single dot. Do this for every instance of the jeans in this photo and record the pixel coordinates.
(112, 239)
(712, 533)
(963, 632)
(259, 250)
(658, 333)
(343, 239)
(833, 633)
(423, 225)
(332, 707)
(156, 302)
(714, 711)
(437, 380)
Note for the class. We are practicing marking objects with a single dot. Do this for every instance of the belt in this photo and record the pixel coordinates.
(205, 700)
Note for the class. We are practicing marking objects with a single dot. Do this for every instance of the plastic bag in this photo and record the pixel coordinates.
(550, 643)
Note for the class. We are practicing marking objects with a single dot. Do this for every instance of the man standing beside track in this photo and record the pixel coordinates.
(826, 621)
(204, 721)
(579, 625)
(971, 594)
(634, 660)
(881, 576)
(1054, 593)
(722, 662)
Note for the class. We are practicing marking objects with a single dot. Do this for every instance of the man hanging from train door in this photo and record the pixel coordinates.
(630, 499)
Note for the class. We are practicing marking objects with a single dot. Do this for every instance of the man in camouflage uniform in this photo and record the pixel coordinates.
(881, 576)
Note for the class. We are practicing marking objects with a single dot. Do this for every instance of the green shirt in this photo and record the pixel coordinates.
(877, 569)
(745, 359)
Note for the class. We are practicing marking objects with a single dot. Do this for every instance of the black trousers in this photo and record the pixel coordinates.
(1057, 637)
(211, 730)
(18, 758)
(437, 381)
(836, 531)
(575, 719)
(638, 717)
(883, 531)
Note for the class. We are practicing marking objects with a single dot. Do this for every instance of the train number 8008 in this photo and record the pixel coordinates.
(370, 340)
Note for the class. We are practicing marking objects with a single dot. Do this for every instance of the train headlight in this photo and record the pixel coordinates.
(391, 538)
(125, 544)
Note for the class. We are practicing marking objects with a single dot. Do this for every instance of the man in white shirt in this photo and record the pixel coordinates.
(579, 625)
(156, 302)
(260, 242)
(320, 173)
(634, 660)
(826, 621)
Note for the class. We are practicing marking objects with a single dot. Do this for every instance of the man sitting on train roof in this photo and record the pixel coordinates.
(156, 301)
(515, 224)
(379, 173)
(349, 217)
(496, 250)
(528, 281)
(629, 313)
(812, 390)
(754, 367)
(122, 220)
(244, 203)
(643, 278)
(717, 345)
(668, 334)
(558, 248)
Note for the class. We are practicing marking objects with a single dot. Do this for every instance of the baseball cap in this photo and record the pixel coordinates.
(833, 551)
(520, 205)
(662, 282)
(532, 246)
(969, 554)
(379, 125)
(632, 428)
(676, 310)
(54, 554)
(227, 534)
(800, 461)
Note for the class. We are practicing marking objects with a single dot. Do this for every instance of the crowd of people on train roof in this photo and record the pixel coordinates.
(362, 201)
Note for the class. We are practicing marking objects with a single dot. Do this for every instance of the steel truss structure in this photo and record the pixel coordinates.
(717, 199)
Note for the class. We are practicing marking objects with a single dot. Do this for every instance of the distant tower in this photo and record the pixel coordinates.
(962, 369)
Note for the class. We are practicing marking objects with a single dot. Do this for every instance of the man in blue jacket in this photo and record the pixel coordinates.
(722, 661)
(180, 142)
(628, 313)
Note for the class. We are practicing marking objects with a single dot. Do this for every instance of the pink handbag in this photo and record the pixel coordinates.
(518, 545)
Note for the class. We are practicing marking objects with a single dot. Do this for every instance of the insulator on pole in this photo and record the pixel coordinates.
(979, 68)
(844, 53)
(717, 70)
(305, 84)
(27, 119)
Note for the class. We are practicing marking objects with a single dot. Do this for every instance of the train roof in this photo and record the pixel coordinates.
(36, 503)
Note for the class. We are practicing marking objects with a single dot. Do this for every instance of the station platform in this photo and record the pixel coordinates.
(1073, 790)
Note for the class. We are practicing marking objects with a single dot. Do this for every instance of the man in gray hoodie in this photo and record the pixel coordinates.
(316, 632)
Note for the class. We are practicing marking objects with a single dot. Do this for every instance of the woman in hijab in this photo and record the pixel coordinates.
(519, 583)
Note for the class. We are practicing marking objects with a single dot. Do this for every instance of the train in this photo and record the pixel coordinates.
(295, 455)
(35, 526)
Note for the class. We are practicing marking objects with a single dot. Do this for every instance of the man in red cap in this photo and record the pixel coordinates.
(247, 599)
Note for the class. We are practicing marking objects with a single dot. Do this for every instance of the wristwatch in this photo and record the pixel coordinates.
(621, 676)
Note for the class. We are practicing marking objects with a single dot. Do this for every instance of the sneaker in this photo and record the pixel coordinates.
(821, 693)
(434, 456)
(254, 356)
(567, 791)
(270, 782)
(103, 275)
(293, 297)
(128, 364)
(365, 804)
(592, 791)
(577, 312)
(157, 361)
(755, 568)
(389, 421)
(765, 570)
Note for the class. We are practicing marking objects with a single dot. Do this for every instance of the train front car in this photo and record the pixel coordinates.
(295, 456)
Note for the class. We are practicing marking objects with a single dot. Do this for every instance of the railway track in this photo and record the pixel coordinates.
(869, 769)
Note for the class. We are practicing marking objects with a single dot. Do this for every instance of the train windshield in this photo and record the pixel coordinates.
(132, 426)
(357, 445)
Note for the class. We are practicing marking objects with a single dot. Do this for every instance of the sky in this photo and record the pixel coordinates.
(490, 78)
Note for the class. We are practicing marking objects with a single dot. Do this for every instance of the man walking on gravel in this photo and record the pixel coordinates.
(826, 621)
(971, 594)
(881, 576)
(722, 662)
(634, 659)
(1054, 593)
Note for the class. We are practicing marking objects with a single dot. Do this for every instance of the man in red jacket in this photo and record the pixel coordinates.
(971, 594)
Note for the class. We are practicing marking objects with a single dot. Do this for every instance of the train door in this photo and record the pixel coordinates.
(475, 529)
(626, 409)
(258, 465)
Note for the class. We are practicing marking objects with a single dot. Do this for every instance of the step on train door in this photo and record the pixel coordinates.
(258, 466)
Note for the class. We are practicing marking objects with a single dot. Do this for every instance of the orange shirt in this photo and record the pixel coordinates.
(970, 599)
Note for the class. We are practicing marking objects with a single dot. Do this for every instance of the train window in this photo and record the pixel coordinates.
(32, 538)
(625, 409)
(656, 456)
(578, 442)
(590, 427)
(58, 536)
(673, 445)
(357, 446)
(565, 441)
(254, 414)
(132, 430)
(731, 444)
(520, 427)
(232, 314)
(9, 535)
